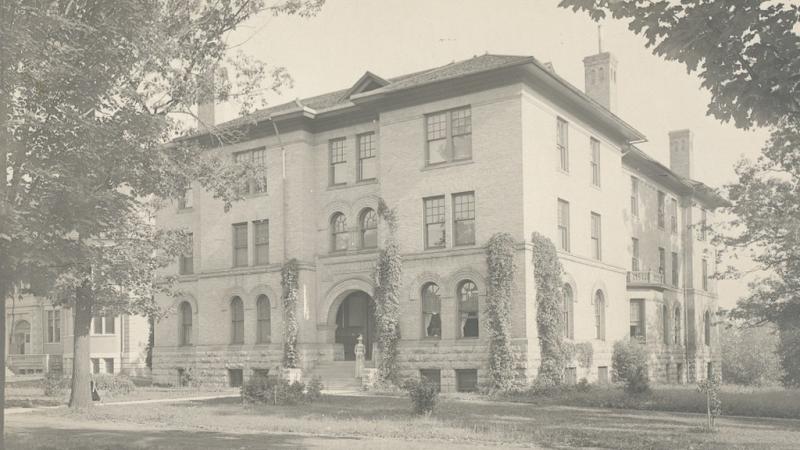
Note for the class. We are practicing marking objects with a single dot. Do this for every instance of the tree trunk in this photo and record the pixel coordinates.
(81, 394)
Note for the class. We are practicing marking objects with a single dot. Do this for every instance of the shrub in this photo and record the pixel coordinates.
(278, 391)
(114, 384)
(629, 365)
(314, 389)
(424, 395)
(55, 384)
(583, 385)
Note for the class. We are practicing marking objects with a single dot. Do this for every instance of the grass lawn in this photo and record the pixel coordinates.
(359, 421)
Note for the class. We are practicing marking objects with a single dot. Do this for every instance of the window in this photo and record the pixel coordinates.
(676, 326)
(431, 311)
(237, 321)
(667, 371)
(338, 161)
(54, 326)
(368, 224)
(661, 207)
(260, 374)
(637, 319)
(186, 324)
(709, 370)
(571, 375)
(466, 380)
(676, 271)
(103, 324)
(634, 197)
(263, 313)
(367, 169)
(433, 376)
(95, 365)
(704, 267)
(673, 216)
(569, 311)
(597, 245)
(261, 238)
(256, 158)
(600, 315)
(186, 263)
(703, 225)
(240, 245)
(563, 224)
(665, 324)
(634, 254)
(186, 199)
(602, 375)
(707, 327)
(449, 136)
(595, 144)
(235, 377)
(662, 261)
(464, 218)
(562, 143)
(109, 365)
(339, 238)
(434, 222)
(679, 370)
(468, 309)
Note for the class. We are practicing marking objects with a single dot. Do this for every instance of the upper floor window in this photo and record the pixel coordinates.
(464, 218)
(449, 136)
(637, 319)
(569, 311)
(240, 245)
(634, 197)
(600, 315)
(661, 209)
(434, 222)
(103, 324)
(339, 239)
(186, 263)
(665, 324)
(368, 225)
(562, 143)
(468, 308)
(563, 224)
(701, 233)
(595, 144)
(704, 268)
(597, 243)
(675, 269)
(237, 321)
(676, 325)
(634, 254)
(707, 327)
(367, 169)
(53, 325)
(185, 335)
(431, 311)
(257, 159)
(263, 315)
(673, 215)
(186, 199)
(338, 161)
(261, 242)
(662, 261)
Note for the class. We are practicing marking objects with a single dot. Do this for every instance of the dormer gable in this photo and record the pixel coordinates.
(368, 82)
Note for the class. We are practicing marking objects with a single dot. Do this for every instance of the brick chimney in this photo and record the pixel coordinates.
(681, 153)
(205, 101)
(601, 79)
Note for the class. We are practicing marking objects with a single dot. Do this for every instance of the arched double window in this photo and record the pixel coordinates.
(468, 309)
(185, 331)
(339, 239)
(600, 315)
(676, 324)
(368, 228)
(263, 313)
(237, 321)
(707, 327)
(431, 311)
(569, 312)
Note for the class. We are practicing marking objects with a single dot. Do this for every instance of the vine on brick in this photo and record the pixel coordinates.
(388, 270)
(549, 309)
(289, 282)
(500, 261)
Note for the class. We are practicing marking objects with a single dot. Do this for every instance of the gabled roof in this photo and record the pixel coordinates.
(367, 82)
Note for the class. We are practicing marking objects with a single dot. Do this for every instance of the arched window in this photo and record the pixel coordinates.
(468, 308)
(237, 321)
(665, 324)
(569, 311)
(338, 232)
(186, 324)
(707, 327)
(368, 227)
(264, 325)
(600, 315)
(676, 324)
(431, 311)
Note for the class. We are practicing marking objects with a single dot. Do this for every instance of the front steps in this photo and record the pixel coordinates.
(336, 375)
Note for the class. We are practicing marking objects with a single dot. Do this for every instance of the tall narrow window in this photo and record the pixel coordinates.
(569, 311)
(468, 308)
(661, 209)
(186, 199)
(563, 224)
(675, 269)
(259, 182)
(600, 315)
(562, 143)
(186, 324)
(368, 224)
(431, 311)
(673, 215)
(704, 267)
(434, 222)
(595, 144)
(662, 261)
(703, 225)
(263, 313)
(339, 240)
(707, 327)
(464, 218)
(240, 244)
(634, 197)
(338, 161)
(109, 324)
(261, 242)
(449, 136)
(637, 319)
(367, 169)
(103, 324)
(634, 254)
(237, 321)
(242, 158)
(665, 324)
(676, 326)
(53, 326)
(597, 243)
(186, 266)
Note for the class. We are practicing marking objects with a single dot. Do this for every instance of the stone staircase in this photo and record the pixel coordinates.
(336, 375)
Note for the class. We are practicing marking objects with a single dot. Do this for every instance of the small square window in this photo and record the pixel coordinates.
(235, 377)
(466, 380)
(432, 376)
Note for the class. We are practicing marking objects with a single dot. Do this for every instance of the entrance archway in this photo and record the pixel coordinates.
(355, 316)
(21, 338)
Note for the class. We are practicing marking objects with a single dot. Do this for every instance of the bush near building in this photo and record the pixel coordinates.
(278, 391)
(629, 365)
(424, 395)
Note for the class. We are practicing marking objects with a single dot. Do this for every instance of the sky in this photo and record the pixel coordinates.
(393, 37)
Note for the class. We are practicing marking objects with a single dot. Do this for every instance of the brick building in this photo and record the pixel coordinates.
(462, 151)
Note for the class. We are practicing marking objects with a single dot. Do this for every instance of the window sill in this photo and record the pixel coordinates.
(187, 210)
(333, 187)
(442, 165)
(367, 181)
(255, 195)
(562, 171)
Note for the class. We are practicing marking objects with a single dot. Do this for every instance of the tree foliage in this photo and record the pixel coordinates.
(549, 310)
(749, 355)
(388, 271)
(500, 262)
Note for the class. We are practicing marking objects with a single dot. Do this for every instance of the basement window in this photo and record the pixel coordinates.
(466, 380)
(432, 376)
(235, 377)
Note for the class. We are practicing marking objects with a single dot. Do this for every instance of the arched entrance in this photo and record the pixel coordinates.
(355, 316)
(21, 338)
